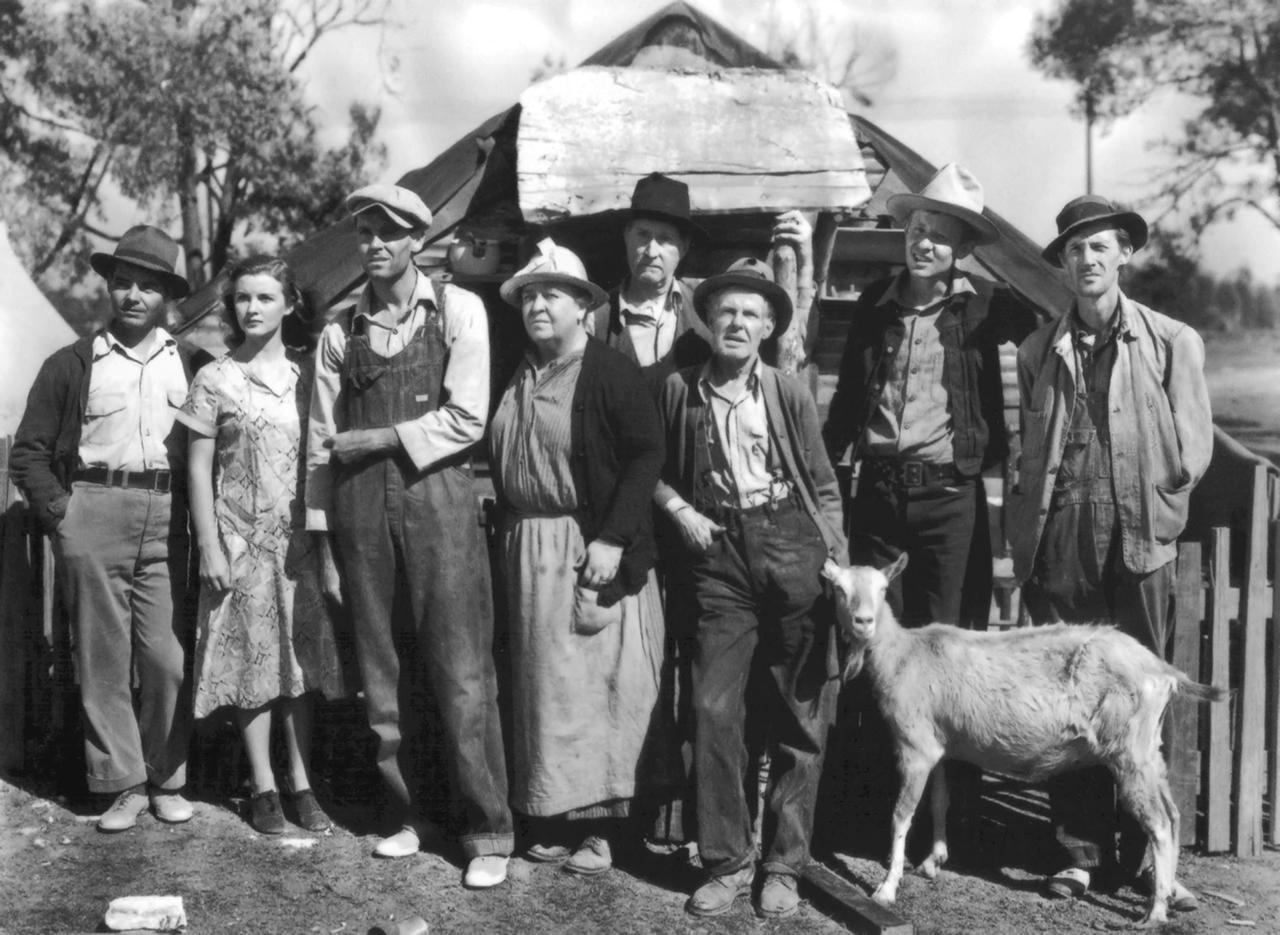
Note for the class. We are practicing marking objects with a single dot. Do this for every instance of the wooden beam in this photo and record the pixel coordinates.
(844, 901)
(1182, 726)
(1253, 690)
(1218, 740)
(1273, 693)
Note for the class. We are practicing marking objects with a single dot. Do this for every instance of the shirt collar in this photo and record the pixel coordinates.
(896, 293)
(669, 307)
(104, 342)
(423, 293)
(753, 380)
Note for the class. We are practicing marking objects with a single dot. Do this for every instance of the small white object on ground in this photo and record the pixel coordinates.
(298, 843)
(154, 913)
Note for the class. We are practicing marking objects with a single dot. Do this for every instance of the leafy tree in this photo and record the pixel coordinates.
(1225, 56)
(190, 108)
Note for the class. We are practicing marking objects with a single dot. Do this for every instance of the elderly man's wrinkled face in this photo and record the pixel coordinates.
(654, 249)
(934, 242)
(1092, 262)
(739, 320)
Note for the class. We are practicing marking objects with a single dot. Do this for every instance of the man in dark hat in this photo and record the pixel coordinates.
(748, 485)
(401, 397)
(101, 461)
(1116, 431)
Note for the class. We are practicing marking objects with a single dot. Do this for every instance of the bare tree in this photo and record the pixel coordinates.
(853, 56)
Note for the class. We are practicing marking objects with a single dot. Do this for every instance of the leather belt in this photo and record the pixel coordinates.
(911, 473)
(720, 513)
(154, 479)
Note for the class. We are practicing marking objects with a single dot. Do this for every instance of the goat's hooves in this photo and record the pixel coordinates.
(883, 897)
(931, 867)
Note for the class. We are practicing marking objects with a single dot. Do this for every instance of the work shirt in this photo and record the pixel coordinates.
(912, 419)
(742, 474)
(455, 425)
(133, 400)
(651, 327)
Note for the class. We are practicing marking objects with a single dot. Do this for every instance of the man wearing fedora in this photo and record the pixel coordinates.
(101, 461)
(920, 400)
(748, 485)
(1116, 431)
(401, 396)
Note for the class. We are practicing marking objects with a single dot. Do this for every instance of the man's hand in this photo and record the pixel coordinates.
(215, 573)
(600, 566)
(792, 227)
(358, 444)
(697, 531)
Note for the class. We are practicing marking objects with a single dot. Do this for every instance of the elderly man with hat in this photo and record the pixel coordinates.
(920, 400)
(1116, 431)
(748, 485)
(401, 396)
(102, 463)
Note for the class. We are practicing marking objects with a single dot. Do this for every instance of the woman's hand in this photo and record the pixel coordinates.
(600, 566)
(330, 579)
(697, 531)
(215, 573)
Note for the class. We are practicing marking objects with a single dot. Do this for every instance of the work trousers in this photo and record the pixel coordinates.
(417, 575)
(762, 611)
(123, 556)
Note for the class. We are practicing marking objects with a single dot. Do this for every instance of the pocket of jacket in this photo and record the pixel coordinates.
(1169, 512)
(589, 617)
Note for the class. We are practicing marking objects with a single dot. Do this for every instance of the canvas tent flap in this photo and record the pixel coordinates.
(747, 140)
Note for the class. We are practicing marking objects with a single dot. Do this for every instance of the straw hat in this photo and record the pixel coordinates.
(554, 264)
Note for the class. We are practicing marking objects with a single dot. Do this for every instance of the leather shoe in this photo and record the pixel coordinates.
(170, 807)
(593, 856)
(265, 814)
(124, 811)
(310, 815)
(548, 853)
(484, 872)
(779, 897)
(716, 896)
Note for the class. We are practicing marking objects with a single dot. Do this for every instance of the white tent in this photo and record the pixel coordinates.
(30, 330)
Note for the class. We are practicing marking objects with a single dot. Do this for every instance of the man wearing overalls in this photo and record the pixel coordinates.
(1116, 431)
(401, 395)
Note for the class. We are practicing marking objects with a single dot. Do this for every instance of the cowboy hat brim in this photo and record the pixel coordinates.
(104, 264)
(902, 204)
(510, 290)
(777, 296)
(1128, 221)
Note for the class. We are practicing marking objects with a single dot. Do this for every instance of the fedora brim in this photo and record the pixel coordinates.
(1128, 221)
(510, 290)
(902, 204)
(695, 232)
(777, 296)
(104, 265)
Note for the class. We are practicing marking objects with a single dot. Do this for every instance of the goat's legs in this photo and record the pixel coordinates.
(914, 769)
(938, 801)
(1145, 793)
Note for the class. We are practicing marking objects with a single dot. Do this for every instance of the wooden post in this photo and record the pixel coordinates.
(1273, 693)
(850, 905)
(1253, 689)
(1182, 726)
(15, 580)
(791, 343)
(1218, 741)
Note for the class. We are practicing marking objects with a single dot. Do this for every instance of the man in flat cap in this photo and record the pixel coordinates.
(401, 396)
(748, 485)
(1116, 431)
(102, 463)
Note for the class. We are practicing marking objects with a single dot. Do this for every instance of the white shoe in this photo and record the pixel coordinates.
(484, 872)
(404, 843)
(171, 807)
(124, 811)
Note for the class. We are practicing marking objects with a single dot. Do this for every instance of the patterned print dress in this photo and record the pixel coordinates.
(270, 635)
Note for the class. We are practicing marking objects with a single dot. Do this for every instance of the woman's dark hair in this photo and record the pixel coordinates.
(295, 330)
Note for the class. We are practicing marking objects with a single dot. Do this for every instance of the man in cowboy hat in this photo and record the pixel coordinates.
(1116, 431)
(748, 485)
(101, 461)
(401, 397)
(919, 397)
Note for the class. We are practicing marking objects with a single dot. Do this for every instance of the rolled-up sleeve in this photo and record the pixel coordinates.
(321, 426)
(1189, 400)
(458, 423)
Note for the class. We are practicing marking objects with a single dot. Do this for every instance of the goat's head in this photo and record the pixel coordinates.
(859, 597)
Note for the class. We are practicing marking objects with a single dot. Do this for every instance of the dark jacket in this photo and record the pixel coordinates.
(46, 449)
(615, 442)
(690, 346)
(971, 327)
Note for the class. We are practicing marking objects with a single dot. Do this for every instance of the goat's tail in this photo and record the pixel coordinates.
(1196, 690)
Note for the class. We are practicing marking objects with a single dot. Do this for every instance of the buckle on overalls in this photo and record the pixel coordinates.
(913, 473)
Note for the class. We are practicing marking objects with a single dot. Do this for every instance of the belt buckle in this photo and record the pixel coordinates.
(164, 487)
(913, 473)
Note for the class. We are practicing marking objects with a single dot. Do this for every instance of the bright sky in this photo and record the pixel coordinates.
(964, 91)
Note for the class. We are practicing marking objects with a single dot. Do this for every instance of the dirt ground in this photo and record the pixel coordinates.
(57, 873)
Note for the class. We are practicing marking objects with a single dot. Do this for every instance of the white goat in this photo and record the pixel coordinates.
(1027, 703)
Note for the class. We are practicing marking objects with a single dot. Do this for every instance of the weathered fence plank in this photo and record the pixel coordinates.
(15, 579)
(1253, 688)
(1218, 746)
(1273, 693)
(1182, 738)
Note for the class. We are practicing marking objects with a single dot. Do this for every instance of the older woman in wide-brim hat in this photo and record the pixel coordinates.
(576, 446)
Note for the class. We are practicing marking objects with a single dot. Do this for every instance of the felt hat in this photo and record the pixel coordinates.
(667, 199)
(1095, 212)
(552, 263)
(751, 274)
(401, 205)
(148, 248)
(954, 191)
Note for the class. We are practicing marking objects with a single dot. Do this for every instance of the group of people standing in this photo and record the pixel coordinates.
(665, 502)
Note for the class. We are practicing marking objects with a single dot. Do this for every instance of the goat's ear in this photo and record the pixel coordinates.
(830, 570)
(896, 567)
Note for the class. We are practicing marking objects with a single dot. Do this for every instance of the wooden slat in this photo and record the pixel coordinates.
(1253, 689)
(1218, 740)
(1182, 726)
(15, 577)
(1273, 693)
(840, 898)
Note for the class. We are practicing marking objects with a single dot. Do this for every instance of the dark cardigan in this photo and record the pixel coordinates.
(616, 446)
(46, 449)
